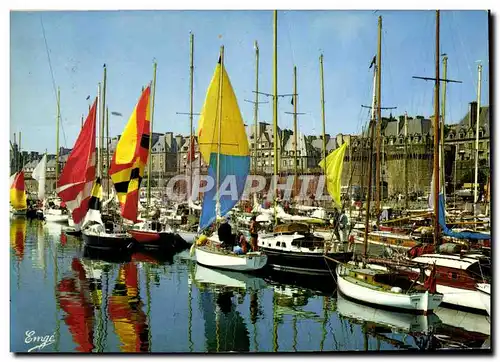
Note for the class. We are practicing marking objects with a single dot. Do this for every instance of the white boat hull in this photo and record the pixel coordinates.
(229, 261)
(461, 297)
(413, 303)
(484, 290)
(55, 216)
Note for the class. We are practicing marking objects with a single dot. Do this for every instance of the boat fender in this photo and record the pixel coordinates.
(396, 290)
(191, 250)
(202, 240)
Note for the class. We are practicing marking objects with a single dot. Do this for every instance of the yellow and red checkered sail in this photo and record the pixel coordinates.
(130, 158)
(17, 191)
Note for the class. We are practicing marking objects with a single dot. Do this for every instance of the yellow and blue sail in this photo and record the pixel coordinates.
(221, 110)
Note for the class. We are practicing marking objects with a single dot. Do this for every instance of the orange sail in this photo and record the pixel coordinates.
(18, 191)
(130, 158)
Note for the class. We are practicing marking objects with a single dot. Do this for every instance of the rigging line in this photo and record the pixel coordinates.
(52, 75)
(289, 38)
(467, 61)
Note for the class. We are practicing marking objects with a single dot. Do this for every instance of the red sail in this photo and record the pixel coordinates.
(75, 183)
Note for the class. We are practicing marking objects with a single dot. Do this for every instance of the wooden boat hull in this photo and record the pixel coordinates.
(385, 238)
(214, 258)
(302, 262)
(108, 241)
(418, 303)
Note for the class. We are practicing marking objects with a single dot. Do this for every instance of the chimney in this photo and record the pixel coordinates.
(178, 140)
(472, 113)
(169, 141)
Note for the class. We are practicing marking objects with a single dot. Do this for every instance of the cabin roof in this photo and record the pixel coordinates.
(450, 261)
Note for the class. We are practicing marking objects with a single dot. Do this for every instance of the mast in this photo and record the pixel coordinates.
(322, 107)
(15, 152)
(436, 138)
(443, 114)
(275, 104)
(219, 140)
(81, 125)
(295, 127)
(20, 154)
(379, 120)
(57, 131)
(191, 72)
(107, 153)
(370, 162)
(478, 111)
(256, 107)
(99, 149)
(406, 160)
(150, 158)
(102, 120)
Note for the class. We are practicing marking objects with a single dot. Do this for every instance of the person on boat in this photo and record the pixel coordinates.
(184, 217)
(253, 233)
(336, 218)
(225, 235)
(344, 226)
(241, 247)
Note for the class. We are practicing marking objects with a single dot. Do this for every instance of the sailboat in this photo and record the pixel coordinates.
(457, 275)
(39, 174)
(224, 147)
(51, 213)
(18, 194)
(376, 285)
(150, 234)
(75, 184)
(126, 172)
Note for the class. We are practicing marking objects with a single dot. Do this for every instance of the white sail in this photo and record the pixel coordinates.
(39, 175)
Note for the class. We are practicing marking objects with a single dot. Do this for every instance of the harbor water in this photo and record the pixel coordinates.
(67, 299)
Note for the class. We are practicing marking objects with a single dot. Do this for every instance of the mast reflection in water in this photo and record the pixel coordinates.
(147, 302)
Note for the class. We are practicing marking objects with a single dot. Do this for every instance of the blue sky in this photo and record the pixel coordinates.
(80, 43)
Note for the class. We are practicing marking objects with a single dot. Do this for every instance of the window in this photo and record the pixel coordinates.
(278, 244)
(283, 245)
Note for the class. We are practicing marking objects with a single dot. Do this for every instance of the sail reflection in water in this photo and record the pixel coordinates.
(225, 328)
(125, 311)
(18, 236)
(147, 302)
(76, 300)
